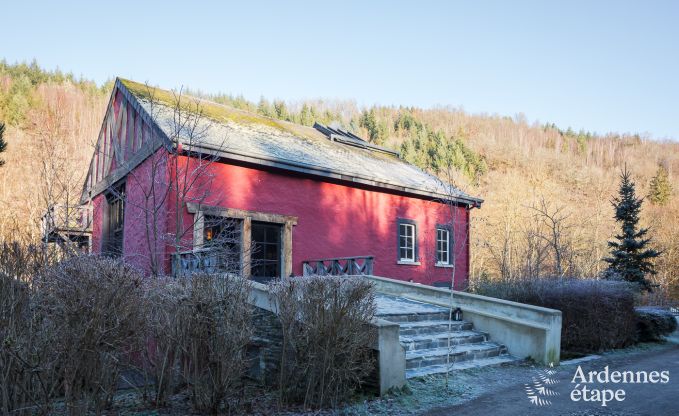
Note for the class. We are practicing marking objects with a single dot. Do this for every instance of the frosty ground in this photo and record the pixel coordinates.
(501, 390)
(493, 391)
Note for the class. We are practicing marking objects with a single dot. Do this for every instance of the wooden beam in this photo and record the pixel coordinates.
(287, 221)
(198, 227)
(246, 249)
(193, 207)
(287, 249)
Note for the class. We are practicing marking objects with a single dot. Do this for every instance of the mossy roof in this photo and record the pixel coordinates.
(254, 138)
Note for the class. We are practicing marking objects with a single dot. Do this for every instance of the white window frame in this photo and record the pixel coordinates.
(439, 253)
(407, 247)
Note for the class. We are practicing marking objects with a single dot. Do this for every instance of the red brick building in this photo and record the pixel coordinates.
(163, 170)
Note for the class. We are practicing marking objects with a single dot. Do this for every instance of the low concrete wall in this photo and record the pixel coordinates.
(391, 356)
(526, 330)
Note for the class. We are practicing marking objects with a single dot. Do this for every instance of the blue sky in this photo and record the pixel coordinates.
(601, 66)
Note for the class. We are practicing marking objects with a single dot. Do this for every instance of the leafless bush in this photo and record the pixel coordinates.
(66, 330)
(326, 340)
(93, 306)
(596, 314)
(200, 327)
(28, 361)
(654, 323)
(164, 297)
(23, 261)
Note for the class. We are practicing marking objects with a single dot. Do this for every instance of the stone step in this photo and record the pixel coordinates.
(439, 340)
(462, 365)
(424, 331)
(432, 327)
(399, 317)
(435, 356)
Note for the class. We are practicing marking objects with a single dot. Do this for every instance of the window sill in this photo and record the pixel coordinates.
(408, 263)
(444, 265)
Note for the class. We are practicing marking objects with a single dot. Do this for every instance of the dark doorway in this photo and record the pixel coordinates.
(266, 251)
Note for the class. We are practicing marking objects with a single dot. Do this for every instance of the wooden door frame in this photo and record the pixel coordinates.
(287, 221)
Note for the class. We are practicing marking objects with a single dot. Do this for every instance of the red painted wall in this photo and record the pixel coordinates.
(334, 220)
(146, 216)
(97, 223)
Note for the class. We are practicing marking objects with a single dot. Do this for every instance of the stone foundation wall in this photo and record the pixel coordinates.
(266, 348)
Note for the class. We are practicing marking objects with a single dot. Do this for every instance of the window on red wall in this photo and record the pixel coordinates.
(222, 239)
(114, 221)
(442, 246)
(266, 251)
(407, 241)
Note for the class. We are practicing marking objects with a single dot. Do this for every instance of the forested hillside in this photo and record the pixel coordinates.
(547, 190)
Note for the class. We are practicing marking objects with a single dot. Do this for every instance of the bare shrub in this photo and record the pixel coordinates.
(200, 328)
(164, 297)
(93, 307)
(28, 360)
(326, 339)
(596, 314)
(654, 323)
(23, 261)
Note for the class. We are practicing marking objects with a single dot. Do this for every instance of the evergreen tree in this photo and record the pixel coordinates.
(281, 110)
(265, 109)
(630, 256)
(3, 143)
(306, 116)
(377, 130)
(661, 188)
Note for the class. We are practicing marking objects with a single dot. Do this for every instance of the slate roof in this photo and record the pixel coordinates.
(240, 135)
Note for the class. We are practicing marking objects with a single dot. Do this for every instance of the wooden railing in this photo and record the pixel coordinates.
(67, 219)
(203, 260)
(357, 265)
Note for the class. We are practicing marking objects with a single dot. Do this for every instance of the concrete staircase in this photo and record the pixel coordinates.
(424, 332)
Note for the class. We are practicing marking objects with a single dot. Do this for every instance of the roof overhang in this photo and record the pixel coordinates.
(326, 173)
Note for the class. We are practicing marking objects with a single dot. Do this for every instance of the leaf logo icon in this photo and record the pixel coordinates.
(537, 391)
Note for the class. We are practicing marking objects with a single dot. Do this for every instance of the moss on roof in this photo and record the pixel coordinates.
(288, 143)
(217, 112)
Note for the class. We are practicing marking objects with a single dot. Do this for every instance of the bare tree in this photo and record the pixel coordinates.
(60, 179)
(536, 251)
(457, 216)
(555, 220)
